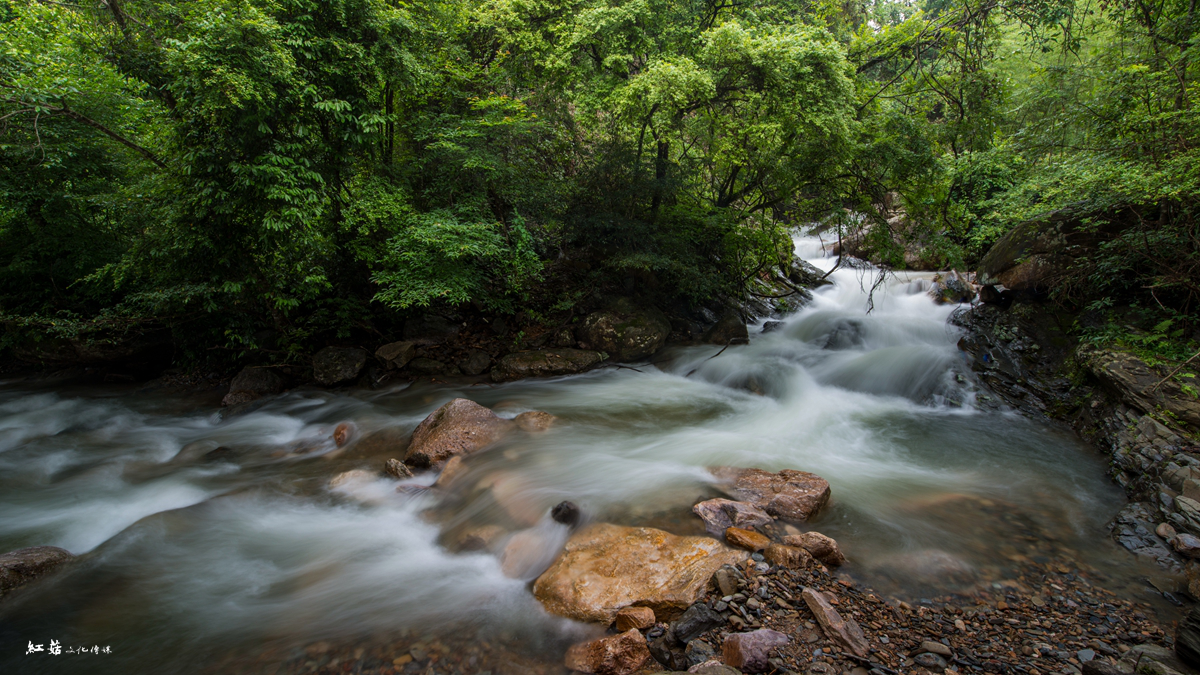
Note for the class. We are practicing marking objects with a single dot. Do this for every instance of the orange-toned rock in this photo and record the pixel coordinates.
(634, 617)
(792, 557)
(844, 631)
(460, 427)
(821, 547)
(343, 433)
(605, 567)
(719, 514)
(535, 421)
(747, 539)
(614, 655)
(795, 495)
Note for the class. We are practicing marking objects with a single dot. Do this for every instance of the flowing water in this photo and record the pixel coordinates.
(189, 557)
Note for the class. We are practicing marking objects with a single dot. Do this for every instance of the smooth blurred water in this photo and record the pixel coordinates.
(186, 560)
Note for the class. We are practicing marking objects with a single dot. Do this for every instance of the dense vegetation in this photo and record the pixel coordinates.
(318, 168)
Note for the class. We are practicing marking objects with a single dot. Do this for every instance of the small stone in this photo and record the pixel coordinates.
(615, 655)
(535, 421)
(726, 581)
(397, 469)
(1165, 530)
(567, 513)
(844, 631)
(747, 539)
(749, 652)
(699, 651)
(343, 433)
(1187, 545)
(634, 617)
(930, 661)
(935, 648)
(792, 557)
(721, 514)
(821, 547)
(694, 622)
(1085, 655)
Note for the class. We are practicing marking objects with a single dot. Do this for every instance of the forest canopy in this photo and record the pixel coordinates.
(320, 168)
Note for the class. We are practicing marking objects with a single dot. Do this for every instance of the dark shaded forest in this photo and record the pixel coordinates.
(251, 180)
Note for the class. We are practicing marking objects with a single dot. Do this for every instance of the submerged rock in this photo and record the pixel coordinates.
(721, 514)
(337, 365)
(606, 567)
(625, 331)
(796, 495)
(544, 363)
(535, 421)
(459, 427)
(397, 469)
(621, 654)
(22, 566)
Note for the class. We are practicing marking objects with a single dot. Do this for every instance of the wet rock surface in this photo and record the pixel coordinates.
(606, 567)
(625, 331)
(253, 383)
(795, 495)
(457, 428)
(25, 565)
(721, 514)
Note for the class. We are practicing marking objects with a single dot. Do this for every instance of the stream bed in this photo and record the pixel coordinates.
(191, 561)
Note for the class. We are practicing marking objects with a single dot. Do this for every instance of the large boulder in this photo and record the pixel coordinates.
(625, 331)
(22, 566)
(606, 567)
(460, 427)
(544, 363)
(337, 365)
(795, 495)
(252, 383)
(1140, 385)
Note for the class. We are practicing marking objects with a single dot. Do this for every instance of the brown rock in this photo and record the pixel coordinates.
(453, 468)
(795, 495)
(479, 538)
(544, 363)
(515, 494)
(352, 476)
(792, 557)
(606, 567)
(460, 427)
(253, 383)
(747, 539)
(614, 655)
(821, 547)
(343, 433)
(535, 421)
(397, 469)
(22, 566)
(748, 652)
(721, 514)
(528, 553)
(844, 631)
(634, 617)
(396, 354)
(1192, 571)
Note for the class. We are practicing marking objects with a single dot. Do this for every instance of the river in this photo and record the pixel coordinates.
(188, 562)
